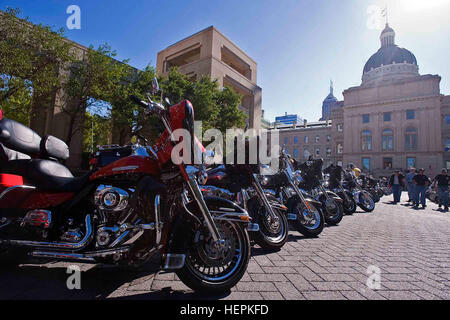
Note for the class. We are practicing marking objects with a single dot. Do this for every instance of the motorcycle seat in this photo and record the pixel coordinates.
(45, 175)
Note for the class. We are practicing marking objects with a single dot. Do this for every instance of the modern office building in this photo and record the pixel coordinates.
(210, 53)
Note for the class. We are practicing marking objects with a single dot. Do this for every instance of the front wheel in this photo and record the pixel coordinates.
(349, 206)
(309, 222)
(334, 211)
(212, 268)
(366, 202)
(273, 233)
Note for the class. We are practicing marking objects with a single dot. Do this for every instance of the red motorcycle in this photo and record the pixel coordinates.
(121, 213)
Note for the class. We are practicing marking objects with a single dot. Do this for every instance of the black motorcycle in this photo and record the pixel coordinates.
(363, 198)
(241, 184)
(305, 212)
(312, 182)
(334, 183)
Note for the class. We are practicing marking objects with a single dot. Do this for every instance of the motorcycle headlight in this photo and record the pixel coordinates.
(264, 180)
(297, 176)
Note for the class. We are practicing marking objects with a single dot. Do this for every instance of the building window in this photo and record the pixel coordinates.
(317, 139)
(387, 116)
(295, 140)
(295, 153)
(447, 119)
(305, 139)
(387, 163)
(339, 148)
(366, 164)
(328, 152)
(306, 154)
(317, 152)
(410, 163)
(411, 139)
(285, 140)
(410, 114)
(386, 139)
(340, 127)
(365, 118)
(447, 145)
(366, 140)
(328, 138)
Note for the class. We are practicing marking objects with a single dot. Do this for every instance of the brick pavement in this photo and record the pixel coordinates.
(410, 247)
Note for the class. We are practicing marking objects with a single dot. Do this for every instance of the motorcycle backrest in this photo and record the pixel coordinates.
(18, 137)
(52, 147)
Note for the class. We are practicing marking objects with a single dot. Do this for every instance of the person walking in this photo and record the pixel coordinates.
(421, 182)
(410, 184)
(396, 182)
(441, 184)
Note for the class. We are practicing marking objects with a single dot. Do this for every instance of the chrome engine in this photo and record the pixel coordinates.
(111, 199)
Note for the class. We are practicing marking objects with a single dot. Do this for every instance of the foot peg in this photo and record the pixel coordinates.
(173, 261)
(292, 216)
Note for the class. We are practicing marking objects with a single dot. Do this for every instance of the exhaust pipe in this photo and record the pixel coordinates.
(56, 245)
(86, 257)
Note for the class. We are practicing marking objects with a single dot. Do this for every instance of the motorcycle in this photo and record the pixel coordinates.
(312, 182)
(334, 183)
(124, 212)
(362, 197)
(305, 212)
(241, 183)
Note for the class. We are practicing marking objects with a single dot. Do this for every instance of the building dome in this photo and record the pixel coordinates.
(389, 54)
(381, 65)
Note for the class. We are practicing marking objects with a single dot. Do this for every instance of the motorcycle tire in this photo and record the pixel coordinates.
(199, 259)
(271, 236)
(333, 221)
(369, 206)
(296, 206)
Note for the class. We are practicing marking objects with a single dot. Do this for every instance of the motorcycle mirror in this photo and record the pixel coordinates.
(155, 86)
(137, 129)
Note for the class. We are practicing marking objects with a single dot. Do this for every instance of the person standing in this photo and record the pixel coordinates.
(421, 182)
(410, 184)
(396, 182)
(441, 184)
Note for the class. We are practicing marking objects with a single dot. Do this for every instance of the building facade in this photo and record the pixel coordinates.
(289, 119)
(210, 53)
(396, 118)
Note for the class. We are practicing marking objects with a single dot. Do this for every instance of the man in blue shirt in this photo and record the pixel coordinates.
(410, 184)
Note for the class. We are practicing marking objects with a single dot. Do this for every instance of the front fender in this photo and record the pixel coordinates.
(332, 195)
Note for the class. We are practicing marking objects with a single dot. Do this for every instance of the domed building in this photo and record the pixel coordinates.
(396, 118)
(390, 62)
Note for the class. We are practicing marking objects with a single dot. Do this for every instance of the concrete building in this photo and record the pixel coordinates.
(210, 53)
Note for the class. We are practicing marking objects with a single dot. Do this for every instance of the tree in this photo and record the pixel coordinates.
(90, 84)
(30, 56)
(97, 131)
(216, 108)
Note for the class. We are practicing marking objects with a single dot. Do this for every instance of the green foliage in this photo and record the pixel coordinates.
(96, 131)
(30, 56)
(214, 107)
(98, 77)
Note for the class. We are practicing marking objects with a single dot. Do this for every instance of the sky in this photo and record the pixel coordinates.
(299, 45)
